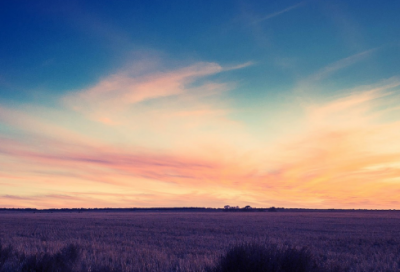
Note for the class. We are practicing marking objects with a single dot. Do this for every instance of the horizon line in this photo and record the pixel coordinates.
(232, 208)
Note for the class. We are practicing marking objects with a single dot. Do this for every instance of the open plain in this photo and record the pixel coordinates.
(191, 241)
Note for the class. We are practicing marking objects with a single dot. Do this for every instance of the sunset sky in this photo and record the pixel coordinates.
(200, 103)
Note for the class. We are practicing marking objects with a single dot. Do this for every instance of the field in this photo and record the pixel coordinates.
(183, 241)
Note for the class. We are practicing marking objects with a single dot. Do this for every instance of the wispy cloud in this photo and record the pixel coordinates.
(280, 12)
(126, 89)
(341, 64)
(350, 32)
(130, 87)
(307, 85)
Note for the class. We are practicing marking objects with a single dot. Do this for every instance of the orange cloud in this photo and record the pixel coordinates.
(347, 153)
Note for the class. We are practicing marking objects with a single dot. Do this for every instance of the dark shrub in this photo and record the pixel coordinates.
(5, 254)
(63, 261)
(259, 258)
(59, 262)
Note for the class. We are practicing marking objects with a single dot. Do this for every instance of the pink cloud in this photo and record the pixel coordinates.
(132, 86)
(119, 94)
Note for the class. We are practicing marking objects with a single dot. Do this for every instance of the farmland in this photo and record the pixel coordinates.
(192, 241)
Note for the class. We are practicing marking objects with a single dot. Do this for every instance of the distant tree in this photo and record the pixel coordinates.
(226, 207)
(247, 207)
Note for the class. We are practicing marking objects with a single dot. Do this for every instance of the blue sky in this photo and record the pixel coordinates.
(58, 47)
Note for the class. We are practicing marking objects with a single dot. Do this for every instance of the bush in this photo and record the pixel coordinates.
(5, 254)
(7, 259)
(59, 262)
(62, 261)
(259, 258)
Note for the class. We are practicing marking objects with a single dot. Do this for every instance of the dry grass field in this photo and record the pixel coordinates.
(182, 241)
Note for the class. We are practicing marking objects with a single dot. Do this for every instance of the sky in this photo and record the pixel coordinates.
(200, 104)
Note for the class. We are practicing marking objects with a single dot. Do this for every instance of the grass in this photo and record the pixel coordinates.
(337, 241)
